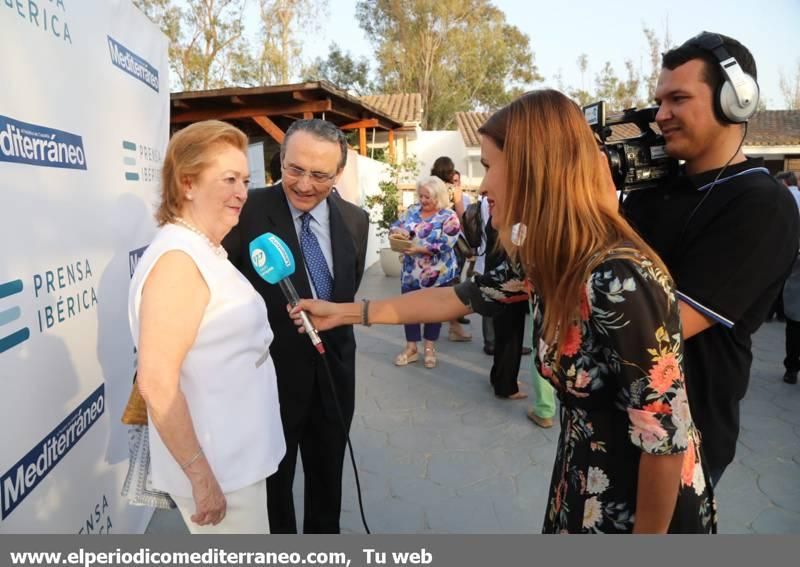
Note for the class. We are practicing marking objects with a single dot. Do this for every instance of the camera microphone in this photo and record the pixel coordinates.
(274, 262)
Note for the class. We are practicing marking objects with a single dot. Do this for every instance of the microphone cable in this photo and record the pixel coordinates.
(327, 368)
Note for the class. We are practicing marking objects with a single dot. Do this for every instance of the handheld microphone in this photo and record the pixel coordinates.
(274, 262)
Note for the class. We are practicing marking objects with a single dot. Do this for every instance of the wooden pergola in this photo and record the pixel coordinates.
(271, 110)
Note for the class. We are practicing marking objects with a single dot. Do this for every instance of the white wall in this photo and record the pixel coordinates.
(433, 144)
(360, 179)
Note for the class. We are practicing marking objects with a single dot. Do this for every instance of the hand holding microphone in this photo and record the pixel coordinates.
(327, 315)
(274, 262)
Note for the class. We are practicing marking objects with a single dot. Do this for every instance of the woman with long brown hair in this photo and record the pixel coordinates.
(607, 325)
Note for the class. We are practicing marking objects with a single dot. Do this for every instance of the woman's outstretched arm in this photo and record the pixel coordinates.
(432, 305)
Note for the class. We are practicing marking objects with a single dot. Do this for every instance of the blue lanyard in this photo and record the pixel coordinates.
(724, 179)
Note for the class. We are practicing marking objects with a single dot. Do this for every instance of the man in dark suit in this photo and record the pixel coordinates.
(328, 237)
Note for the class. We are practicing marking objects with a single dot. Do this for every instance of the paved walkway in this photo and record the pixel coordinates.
(438, 453)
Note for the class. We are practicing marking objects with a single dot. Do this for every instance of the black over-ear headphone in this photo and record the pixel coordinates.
(736, 99)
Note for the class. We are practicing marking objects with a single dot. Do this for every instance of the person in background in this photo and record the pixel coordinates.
(275, 173)
(203, 340)
(444, 169)
(469, 262)
(430, 262)
(480, 268)
(791, 297)
(606, 322)
(789, 180)
(508, 331)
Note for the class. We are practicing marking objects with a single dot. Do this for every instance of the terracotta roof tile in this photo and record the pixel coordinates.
(774, 128)
(468, 124)
(403, 107)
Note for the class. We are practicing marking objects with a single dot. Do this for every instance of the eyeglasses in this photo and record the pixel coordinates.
(315, 176)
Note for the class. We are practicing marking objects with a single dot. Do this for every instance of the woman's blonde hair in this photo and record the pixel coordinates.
(189, 152)
(438, 190)
(556, 184)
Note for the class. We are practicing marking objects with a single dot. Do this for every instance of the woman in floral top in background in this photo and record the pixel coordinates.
(607, 325)
(430, 262)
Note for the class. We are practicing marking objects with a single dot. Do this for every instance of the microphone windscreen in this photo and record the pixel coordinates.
(271, 258)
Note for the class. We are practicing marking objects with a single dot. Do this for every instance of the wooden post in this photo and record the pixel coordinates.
(270, 128)
(362, 141)
(392, 152)
(308, 115)
(368, 123)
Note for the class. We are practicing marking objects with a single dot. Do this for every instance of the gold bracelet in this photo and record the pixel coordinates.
(192, 460)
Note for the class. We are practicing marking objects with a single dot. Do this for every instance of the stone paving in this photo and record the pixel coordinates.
(438, 453)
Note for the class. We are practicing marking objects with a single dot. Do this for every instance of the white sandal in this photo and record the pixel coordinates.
(430, 357)
(406, 357)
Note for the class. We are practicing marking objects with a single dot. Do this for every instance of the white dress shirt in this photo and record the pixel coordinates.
(321, 227)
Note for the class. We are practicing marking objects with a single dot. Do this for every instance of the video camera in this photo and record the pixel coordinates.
(638, 162)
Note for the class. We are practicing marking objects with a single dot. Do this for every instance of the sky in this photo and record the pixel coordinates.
(610, 30)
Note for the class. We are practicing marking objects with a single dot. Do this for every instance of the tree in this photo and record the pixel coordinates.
(619, 94)
(656, 47)
(636, 89)
(583, 66)
(581, 95)
(458, 54)
(280, 51)
(343, 70)
(790, 88)
(205, 38)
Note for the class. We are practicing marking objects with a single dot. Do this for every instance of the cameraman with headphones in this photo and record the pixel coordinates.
(725, 229)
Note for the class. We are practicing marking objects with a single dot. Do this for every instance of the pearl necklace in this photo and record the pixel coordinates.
(216, 248)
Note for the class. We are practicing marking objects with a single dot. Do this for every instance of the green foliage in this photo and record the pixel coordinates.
(384, 206)
(205, 36)
(279, 48)
(790, 89)
(208, 48)
(458, 54)
(343, 70)
(619, 93)
(635, 88)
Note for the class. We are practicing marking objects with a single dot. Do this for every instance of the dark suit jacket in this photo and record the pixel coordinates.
(267, 210)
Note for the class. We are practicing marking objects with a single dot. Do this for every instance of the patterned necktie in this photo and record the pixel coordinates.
(315, 260)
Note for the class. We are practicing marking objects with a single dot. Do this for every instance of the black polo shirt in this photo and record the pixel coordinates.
(729, 257)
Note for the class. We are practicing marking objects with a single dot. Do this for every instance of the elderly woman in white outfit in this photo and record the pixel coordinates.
(203, 339)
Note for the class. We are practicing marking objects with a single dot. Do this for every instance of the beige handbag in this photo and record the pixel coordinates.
(136, 410)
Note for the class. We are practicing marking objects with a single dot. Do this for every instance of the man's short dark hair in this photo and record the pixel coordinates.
(321, 129)
(713, 73)
(788, 177)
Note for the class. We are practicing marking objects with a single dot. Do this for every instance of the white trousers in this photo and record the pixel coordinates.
(246, 512)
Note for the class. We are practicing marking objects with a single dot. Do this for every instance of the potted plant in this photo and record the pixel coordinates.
(384, 207)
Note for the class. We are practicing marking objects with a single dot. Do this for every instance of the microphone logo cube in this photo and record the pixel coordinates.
(259, 258)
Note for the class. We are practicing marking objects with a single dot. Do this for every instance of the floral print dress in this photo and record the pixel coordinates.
(622, 393)
(438, 234)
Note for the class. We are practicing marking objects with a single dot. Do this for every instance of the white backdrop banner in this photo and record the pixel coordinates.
(84, 121)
